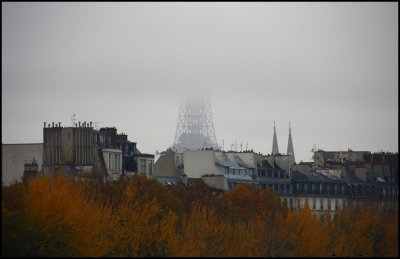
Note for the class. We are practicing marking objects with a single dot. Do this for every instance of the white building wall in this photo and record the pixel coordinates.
(198, 163)
(113, 162)
(324, 201)
(13, 157)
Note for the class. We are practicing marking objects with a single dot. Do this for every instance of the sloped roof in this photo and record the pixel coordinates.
(296, 175)
(240, 162)
(240, 179)
(315, 177)
(168, 180)
(274, 180)
(226, 162)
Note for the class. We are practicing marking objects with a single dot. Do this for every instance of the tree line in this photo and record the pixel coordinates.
(140, 217)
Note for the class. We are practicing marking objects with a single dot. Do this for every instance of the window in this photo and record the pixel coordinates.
(142, 166)
(314, 204)
(321, 204)
(150, 162)
(113, 162)
(118, 166)
(110, 168)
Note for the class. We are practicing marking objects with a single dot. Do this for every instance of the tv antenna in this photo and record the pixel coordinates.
(96, 124)
(73, 119)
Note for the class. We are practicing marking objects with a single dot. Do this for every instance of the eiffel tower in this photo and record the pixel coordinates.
(195, 128)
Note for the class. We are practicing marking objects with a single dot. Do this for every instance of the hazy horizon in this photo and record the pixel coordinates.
(330, 69)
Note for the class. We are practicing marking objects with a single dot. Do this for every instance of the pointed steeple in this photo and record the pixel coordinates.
(275, 149)
(290, 150)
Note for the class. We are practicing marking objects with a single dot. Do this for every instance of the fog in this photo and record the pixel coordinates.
(331, 69)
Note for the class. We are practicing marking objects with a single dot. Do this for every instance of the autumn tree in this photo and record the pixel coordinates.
(365, 230)
(302, 234)
(63, 213)
(203, 234)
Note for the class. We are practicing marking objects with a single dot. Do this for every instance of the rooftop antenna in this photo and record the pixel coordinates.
(73, 119)
(96, 124)
(313, 150)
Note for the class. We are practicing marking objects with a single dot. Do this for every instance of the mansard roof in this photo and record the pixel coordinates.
(315, 177)
(242, 163)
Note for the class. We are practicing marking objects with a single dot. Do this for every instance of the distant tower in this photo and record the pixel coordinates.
(275, 149)
(290, 150)
(195, 128)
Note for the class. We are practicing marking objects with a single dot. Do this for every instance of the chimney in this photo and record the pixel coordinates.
(52, 124)
(44, 126)
(79, 123)
(90, 124)
(184, 179)
(59, 124)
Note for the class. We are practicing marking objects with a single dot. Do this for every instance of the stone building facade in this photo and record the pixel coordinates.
(327, 185)
(86, 153)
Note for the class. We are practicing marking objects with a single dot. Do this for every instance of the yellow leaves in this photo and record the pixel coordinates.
(248, 200)
(54, 204)
(303, 235)
(139, 217)
(389, 246)
(365, 231)
(141, 228)
(203, 234)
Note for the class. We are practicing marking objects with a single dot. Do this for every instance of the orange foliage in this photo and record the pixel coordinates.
(55, 206)
(141, 228)
(365, 231)
(203, 234)
(139, 217)
(303, 234)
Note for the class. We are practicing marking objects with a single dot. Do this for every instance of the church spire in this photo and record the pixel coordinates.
(290, 150)
(275, 149)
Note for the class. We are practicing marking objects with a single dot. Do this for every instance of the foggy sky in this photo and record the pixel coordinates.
(328, 68)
